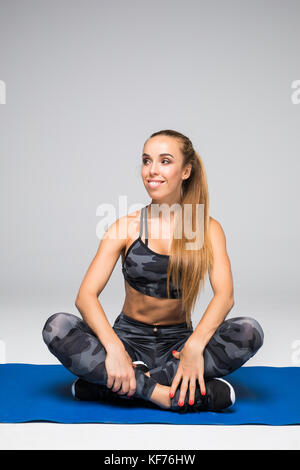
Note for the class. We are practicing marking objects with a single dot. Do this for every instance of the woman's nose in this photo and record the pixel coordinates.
(153, 169)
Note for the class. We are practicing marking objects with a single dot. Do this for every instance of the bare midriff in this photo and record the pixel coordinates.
(141, 307)
(152, 310)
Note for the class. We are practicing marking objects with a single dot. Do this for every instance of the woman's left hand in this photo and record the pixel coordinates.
(190, 369)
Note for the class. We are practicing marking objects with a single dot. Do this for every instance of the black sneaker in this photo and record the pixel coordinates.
(88, 391)
(219, 395)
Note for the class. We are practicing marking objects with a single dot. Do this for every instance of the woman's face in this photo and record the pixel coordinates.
(162, 162)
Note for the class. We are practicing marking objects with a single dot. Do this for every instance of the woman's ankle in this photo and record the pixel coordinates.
(160, 396)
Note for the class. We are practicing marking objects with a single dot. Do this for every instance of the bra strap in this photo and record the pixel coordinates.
(146, 226)
(141, 222)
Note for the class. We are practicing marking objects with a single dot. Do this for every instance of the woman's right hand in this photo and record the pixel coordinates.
(120, 372)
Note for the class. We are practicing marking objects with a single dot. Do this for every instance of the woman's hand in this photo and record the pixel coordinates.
(120, 371)
(190, 369)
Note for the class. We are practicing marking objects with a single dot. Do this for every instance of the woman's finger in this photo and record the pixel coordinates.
(175, 383)
(117, 384)
(192, 390)
(183, 390)
(202, 384)
(124, 388)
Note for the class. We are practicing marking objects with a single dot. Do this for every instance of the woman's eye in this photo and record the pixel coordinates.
(164, 160)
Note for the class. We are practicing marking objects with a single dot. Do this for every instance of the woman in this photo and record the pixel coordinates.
(152, 352)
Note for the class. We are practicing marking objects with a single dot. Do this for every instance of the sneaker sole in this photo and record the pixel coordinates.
(73, 389)
(232, 392)
(140, 362)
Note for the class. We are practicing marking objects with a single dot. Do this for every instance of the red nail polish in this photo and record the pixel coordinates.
(202, 393)
(191, 402)
(174, 351)
(171, 395)
(180, 403)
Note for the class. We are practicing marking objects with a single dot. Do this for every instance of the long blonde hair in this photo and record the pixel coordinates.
(191, 265)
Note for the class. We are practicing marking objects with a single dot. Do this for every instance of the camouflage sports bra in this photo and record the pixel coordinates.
(145, 270)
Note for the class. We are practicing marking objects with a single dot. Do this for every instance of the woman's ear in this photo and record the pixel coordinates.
(187, 171)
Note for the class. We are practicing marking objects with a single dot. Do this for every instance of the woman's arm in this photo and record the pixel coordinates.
(96, 279)
(191, 366)
(118, 363)
(93, 314)
(222, 284)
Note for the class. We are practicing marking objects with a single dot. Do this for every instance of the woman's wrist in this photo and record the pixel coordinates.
(194, 343)
(116, 345)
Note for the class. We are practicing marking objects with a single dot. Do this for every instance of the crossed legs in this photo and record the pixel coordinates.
(76, 346)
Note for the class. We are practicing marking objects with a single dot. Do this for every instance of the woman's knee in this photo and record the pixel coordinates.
(58, 324)
(250, 332)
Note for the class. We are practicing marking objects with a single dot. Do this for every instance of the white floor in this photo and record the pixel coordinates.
(30, 349)
(146, 436)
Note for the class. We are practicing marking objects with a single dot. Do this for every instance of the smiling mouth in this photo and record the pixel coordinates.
(154, 184)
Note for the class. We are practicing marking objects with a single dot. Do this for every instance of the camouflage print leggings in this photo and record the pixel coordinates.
(77, 347)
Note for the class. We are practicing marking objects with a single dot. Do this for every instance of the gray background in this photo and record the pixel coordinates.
(87, 83)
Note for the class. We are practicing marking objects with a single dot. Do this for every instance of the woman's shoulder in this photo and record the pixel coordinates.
(214, 224)
(127, 225)
(216, 231)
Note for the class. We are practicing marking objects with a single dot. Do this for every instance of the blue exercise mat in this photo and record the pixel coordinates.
(33, 392)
